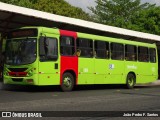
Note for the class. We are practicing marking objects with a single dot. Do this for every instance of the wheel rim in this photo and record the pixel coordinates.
(67, 82)
(131, 81)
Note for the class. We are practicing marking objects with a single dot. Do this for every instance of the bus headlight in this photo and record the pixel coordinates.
(5, 73)
(30, 73)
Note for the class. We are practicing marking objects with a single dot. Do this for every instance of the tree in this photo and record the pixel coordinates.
(147, 20)
(61, 7)
(23, 3)
(117, 12)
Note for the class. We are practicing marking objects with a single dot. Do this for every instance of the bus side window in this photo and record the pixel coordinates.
(67, 46)
(131, 53)
(117, 51)
(101, 49)
(143, 55)
(152, 54)
(85, 47)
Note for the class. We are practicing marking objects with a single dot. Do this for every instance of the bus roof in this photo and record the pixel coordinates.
(15, 17)
(117, 40)
(92, 36)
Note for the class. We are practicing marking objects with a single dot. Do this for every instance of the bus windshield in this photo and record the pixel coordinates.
(21, 51)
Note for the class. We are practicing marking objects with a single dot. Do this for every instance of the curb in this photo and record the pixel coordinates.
(155, 83)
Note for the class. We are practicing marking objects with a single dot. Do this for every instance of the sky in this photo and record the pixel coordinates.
(85, 3)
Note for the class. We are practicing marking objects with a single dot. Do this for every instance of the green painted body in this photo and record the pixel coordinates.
(90, 70)
(49, 75)
(43, 72)
(98, 71)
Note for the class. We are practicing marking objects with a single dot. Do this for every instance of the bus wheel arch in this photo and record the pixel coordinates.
(130, 80)
(68, 80)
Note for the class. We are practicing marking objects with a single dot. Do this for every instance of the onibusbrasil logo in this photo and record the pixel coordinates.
(21, 114)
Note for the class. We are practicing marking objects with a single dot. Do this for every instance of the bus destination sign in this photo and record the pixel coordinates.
(23, 33)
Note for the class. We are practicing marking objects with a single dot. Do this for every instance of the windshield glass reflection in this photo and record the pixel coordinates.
(20, 52)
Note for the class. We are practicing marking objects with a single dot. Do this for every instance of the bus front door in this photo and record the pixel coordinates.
(49, 72)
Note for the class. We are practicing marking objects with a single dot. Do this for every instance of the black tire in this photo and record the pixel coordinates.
(130, 81)
(67, 82)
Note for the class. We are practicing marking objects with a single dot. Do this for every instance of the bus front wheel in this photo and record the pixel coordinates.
(67, 82)
(131, 80)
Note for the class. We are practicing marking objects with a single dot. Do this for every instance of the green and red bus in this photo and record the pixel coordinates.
(49, 56)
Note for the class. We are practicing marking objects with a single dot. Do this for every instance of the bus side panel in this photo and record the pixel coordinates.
(154, 71)
(131, 67)
(146, 72)
(86, 71)
(116, 71)
(101, 71)
(69, 62)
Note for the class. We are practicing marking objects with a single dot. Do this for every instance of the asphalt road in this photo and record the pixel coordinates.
(91, 98)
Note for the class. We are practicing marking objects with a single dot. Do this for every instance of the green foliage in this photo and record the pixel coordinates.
(147, 21)
(116, 12)
(61, 7)
(130, 14)
(23, 3)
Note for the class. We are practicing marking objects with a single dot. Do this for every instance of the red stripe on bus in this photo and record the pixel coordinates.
(68, 62)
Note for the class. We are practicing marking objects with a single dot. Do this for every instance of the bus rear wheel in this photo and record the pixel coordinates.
(131, 81)
(67, 82)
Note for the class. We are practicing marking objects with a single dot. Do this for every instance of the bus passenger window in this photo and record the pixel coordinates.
(152, 54)
(143, 55)
(101, 49)
(67, 46)
(130, 53)
(85, 47)
(117, 51)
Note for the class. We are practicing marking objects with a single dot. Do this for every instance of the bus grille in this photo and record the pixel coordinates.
(17, 69)
(17, 79)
